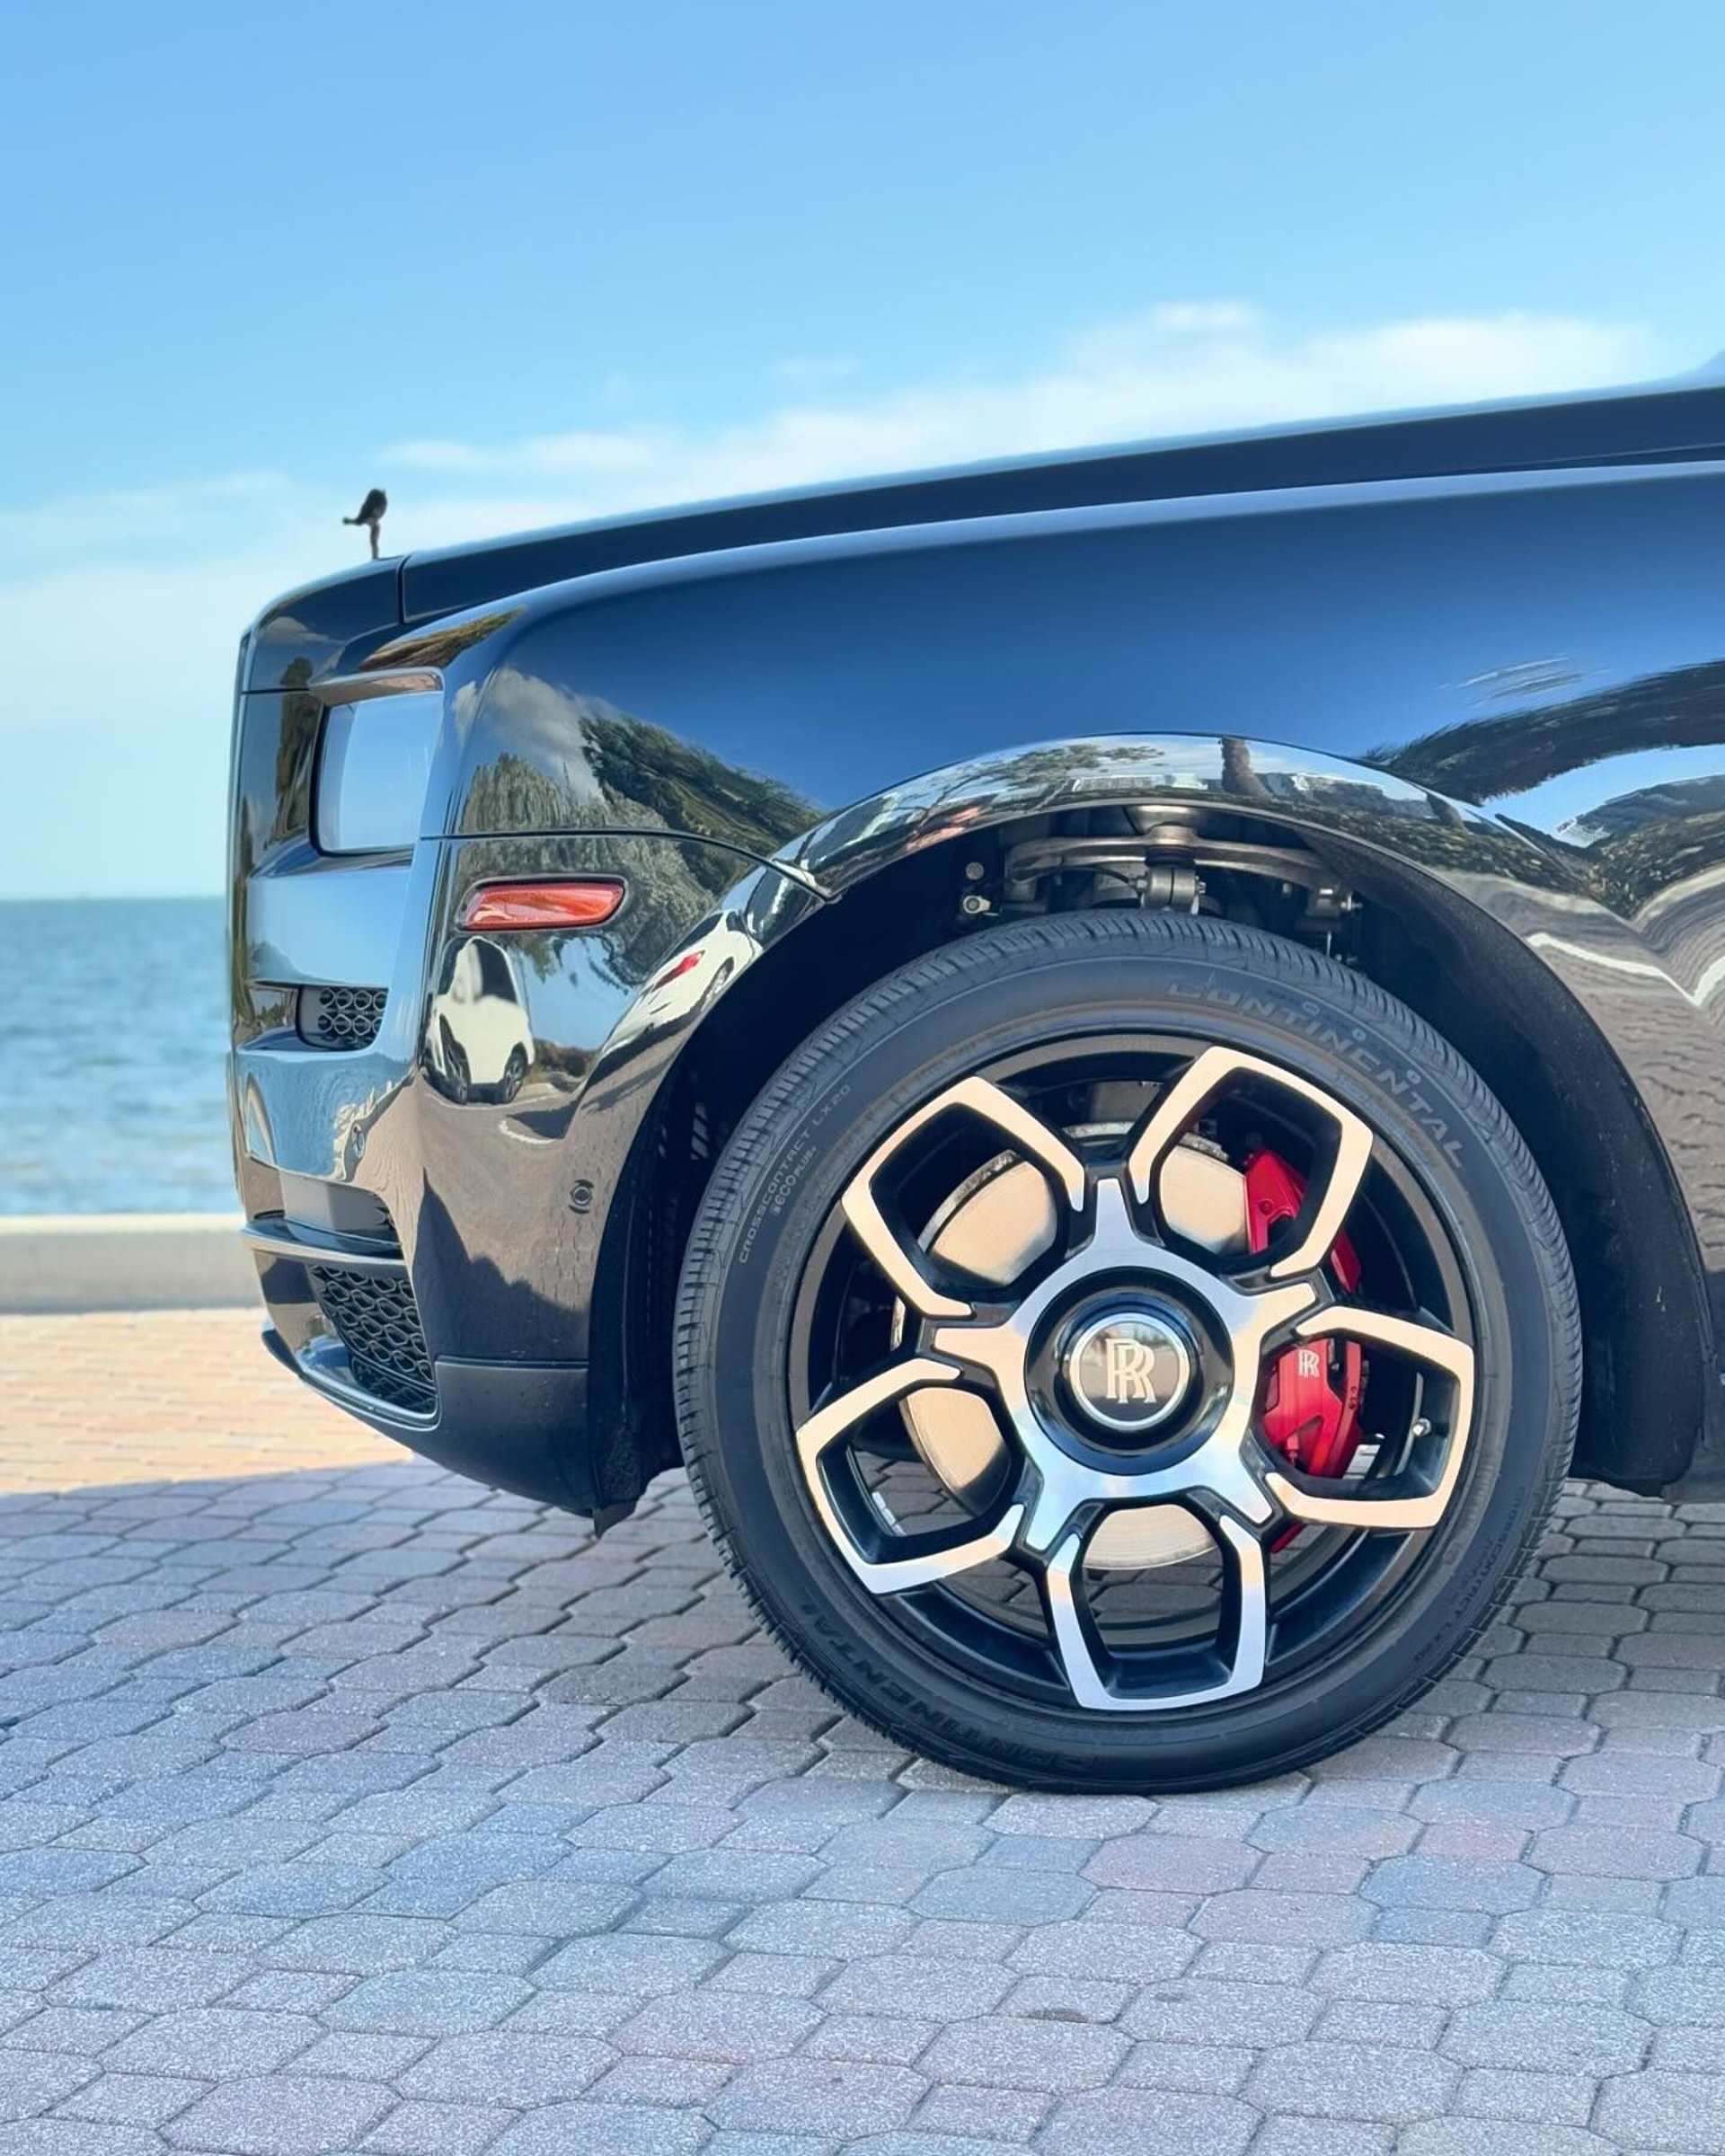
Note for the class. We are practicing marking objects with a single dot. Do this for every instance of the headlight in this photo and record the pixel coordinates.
(374, 765)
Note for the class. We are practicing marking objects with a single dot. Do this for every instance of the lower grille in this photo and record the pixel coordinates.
(341, 1018)
(375, 1318)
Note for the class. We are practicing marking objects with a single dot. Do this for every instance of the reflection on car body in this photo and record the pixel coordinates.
(478, 1044)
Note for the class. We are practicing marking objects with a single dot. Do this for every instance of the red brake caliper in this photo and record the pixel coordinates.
(1310, 1410)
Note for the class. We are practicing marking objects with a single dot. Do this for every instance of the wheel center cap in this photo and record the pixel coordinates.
(1129, 1370)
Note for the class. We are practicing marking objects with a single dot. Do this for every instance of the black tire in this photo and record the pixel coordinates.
(992, 996)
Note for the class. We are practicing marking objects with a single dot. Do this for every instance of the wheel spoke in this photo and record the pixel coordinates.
(1402, 1505)
(991, 1104)
(919, 1559)
(1242, 1640)
(1336, 1177)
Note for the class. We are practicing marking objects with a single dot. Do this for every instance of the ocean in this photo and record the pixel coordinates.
(113, 1026)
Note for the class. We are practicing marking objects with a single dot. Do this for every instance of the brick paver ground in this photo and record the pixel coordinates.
(345, 1806)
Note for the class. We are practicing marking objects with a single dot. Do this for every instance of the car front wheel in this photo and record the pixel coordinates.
(1126, 1352)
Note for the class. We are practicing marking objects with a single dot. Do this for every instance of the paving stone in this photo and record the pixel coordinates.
(1535, 2099)
(1351, 2080)
(76, 2137)
(1125, 1953)
(676, 2084)
(280, 2115)
(132, 2099)
(882, 2039)
(1495, 2137)
(549, 1908)
(1203, 2069)
(1009, 2115)
(432, 2002)
(1057, 1998)
(360, 1945)
(33, 2081)
(603, 2130)
(734, 2026)
(1379, 2022)
(155, 1979)
(838, 1930)
(1585, 1936)
(630, 1963)
(1193, 2011)
(1632, 1853)
(1100, 1818)
(1172, 1863)
(364, 2054)
(1003, 1895)
(1556, 2039)
(1144, 2122)
(1336, 1829)
(919, 1985)
(1321, 2137)
(910, 2142)
(1317, 1920)
(1452, 1882)
(79, 2028)
(1662, 2111)
(1006, 2052)
(840, 2097)
(777, 1975)
(1408, 1974)
(417, 2129)
(212, 2043)
(500, 2067)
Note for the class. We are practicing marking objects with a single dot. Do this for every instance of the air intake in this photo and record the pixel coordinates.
(375, 1318)
(341, 1018)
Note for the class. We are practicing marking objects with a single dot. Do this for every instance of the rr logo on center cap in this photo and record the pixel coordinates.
(1129, 1369)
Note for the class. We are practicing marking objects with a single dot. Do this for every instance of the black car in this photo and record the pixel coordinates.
(1120, 1053)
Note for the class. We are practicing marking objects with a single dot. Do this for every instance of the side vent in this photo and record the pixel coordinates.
(341, 1018)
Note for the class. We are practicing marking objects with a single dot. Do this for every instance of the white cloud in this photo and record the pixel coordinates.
(1175, 370)
(119, 612)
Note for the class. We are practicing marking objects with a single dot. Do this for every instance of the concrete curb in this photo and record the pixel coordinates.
(73, 1261)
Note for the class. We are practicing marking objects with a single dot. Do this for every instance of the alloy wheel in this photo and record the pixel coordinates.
(1044, 1305)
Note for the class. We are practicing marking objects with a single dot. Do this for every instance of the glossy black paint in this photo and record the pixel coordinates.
(1476, 661)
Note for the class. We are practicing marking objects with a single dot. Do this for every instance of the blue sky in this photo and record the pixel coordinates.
(525, 262)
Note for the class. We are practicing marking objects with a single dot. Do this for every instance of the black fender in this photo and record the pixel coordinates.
(1537, 951)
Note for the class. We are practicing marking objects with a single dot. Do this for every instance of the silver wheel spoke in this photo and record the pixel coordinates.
(1333, 1189)
(1242, 1641)
(1398, 1507)
(1026, 1133)
(925, 1558)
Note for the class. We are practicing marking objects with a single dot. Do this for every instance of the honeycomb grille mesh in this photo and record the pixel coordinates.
(375, 1318)
(341, 1018)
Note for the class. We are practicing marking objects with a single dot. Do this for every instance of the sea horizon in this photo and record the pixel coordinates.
(113, 1035)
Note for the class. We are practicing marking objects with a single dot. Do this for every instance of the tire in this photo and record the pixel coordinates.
(1008, 1660)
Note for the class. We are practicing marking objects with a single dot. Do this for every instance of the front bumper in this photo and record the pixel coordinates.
(515, 1426)
(441, 1244)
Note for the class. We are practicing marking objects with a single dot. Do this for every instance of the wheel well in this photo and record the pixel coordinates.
(1647, 1352)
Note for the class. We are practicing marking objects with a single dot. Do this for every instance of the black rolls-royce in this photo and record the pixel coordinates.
(1120, 1053)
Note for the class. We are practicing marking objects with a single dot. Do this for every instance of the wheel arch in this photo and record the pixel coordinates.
(1448, 893)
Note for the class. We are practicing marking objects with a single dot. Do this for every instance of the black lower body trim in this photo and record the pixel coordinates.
(519, 1426)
